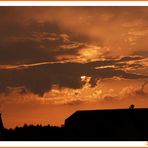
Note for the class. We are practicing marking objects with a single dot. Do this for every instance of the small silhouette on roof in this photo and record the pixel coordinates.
(132, 106)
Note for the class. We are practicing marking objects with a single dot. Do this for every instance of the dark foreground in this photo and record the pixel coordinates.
(47, 133)
(95, 125)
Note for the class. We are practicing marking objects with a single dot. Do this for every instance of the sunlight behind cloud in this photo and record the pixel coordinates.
(90, 53)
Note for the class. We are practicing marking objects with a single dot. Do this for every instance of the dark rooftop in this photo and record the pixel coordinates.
(96, 111)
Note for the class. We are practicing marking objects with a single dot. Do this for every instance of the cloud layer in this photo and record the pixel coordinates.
(40, 78)
(43, 47)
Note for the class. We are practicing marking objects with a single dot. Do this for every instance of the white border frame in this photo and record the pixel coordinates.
(73, 3)
(74, 143)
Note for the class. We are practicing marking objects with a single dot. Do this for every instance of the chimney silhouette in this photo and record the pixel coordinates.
(1, 128)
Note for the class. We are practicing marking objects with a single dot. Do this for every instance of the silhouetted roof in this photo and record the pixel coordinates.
(103, 112)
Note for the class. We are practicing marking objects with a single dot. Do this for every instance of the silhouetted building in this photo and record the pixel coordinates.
(110, 123)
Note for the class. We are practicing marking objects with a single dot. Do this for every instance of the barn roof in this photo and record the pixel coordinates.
(90, 113)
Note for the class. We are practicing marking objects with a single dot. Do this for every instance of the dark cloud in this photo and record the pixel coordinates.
(109, 98)
(27, 32)
(37, 42)
(39, 79)
(130, 58)
(121, 63)
(141, 53)
(74, 102)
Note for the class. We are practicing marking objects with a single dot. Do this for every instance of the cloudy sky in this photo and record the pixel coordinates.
(56, 60)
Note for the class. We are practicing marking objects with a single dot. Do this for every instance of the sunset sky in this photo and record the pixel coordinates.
(56, 60)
